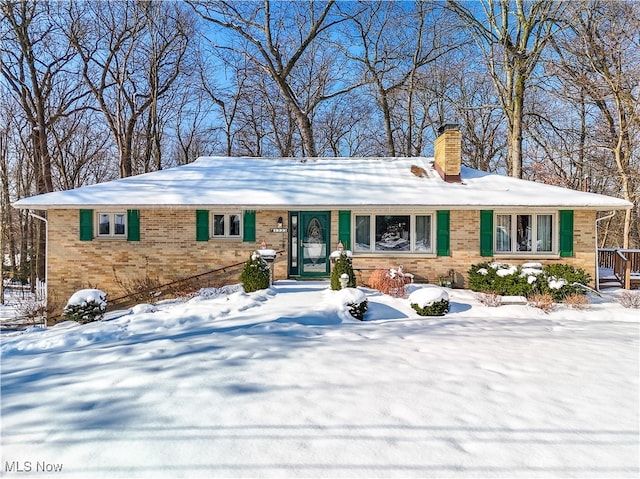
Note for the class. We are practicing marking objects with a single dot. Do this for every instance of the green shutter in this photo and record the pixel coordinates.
(249, 227)
(86, 225)
(443, 233)
(566, 233)
(344, 228)
(486, 233)
(202, 225)
(133, 225)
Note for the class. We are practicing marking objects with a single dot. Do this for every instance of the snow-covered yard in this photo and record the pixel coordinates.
(280, 383)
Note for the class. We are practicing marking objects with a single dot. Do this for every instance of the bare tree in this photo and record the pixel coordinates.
(277, 37)
(132, 53)
(394, 42)
(600, 54)
(511, 34)
(37, 68)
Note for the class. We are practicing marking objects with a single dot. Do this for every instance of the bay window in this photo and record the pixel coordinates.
(393, 233)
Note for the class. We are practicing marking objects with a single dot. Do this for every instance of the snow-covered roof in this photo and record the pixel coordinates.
(262, 183)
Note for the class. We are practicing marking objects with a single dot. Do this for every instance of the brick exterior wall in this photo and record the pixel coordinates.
(465, 251)
(168, 250)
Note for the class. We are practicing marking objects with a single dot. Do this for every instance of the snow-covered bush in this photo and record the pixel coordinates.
(391, 281)
(353, 299)
(430, 301)
(342, 266)
(255, 274)
(85, 306)
(498, 278)
(561, 280)
(358, 310)
(555, 280)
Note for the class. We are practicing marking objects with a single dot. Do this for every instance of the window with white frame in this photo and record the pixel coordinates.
(226, 225)
(394, 233)
(112, 225)
(525, 233)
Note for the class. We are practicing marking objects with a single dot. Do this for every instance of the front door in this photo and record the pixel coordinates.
(309, 244)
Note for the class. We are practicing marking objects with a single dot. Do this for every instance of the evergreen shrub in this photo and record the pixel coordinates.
(555, 280)
(563, 280)
(86, 306)
(438, 308)
(358, 310)
(342, 266)
(430, 301)
(498, 278)
(255, 274)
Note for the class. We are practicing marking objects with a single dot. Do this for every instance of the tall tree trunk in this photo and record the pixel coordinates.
(515, 151)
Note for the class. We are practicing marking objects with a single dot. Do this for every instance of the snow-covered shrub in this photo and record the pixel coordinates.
(255, 274)
(358, 310)
(561, 280)
(630, 299)
(556, 280)
(430, 301)
(498, 278)
(85, 306)
(342, 266)
(353, 299)
(391, 281)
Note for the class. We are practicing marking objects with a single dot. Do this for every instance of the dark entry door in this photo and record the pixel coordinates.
(311, 243)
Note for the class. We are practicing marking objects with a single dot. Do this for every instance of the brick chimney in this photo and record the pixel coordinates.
(448, 152)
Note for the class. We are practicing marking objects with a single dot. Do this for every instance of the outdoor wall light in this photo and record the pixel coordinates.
(279, 222)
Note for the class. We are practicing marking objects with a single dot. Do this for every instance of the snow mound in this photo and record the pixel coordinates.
(532, 265)
(144, 308)
(210, 293)
(85, 296)
(424, 297)
(507, 271)
(346, 296)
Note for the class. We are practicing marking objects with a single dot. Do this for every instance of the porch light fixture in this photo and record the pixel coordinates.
(279, 223)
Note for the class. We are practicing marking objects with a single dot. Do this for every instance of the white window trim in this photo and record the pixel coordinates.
(555, 235)
(112, 216)
(227, 225)
(412, 229)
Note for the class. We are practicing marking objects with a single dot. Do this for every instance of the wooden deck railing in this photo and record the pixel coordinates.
(625, 264)
(605, 257)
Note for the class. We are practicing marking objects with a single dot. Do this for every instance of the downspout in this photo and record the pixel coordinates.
(596, 249)
(46, 253)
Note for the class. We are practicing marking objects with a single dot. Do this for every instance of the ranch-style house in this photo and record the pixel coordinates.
(431, 215)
